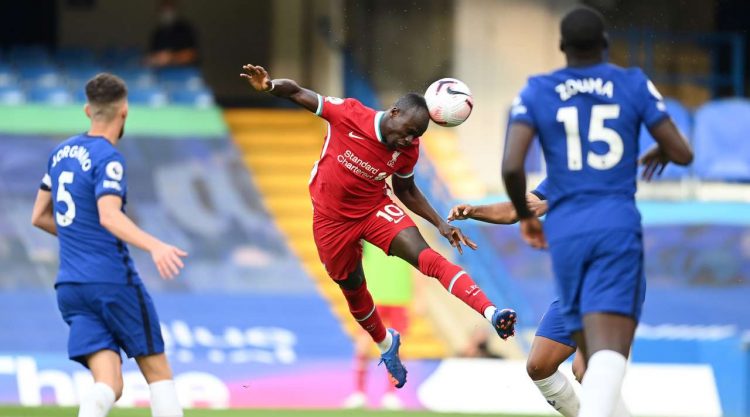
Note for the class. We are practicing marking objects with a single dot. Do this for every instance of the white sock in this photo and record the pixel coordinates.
(386, 343)
(602, 385)
(164, 402)
(621, 410)
(97, 401)
(559, 393)
(488, 312)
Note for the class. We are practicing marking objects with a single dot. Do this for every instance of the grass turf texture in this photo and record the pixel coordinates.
(144, 412)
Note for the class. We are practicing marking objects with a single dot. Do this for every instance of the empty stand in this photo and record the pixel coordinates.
(722, 141)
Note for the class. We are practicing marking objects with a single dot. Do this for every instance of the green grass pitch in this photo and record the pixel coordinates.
(143, 412)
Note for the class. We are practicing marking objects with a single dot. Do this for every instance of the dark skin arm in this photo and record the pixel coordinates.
(671, 146)
(517, 145)
(259, 80)
(409, 194)
(497, 213)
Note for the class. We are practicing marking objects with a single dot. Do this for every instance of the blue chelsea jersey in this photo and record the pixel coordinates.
(80, 171)
(588, 120)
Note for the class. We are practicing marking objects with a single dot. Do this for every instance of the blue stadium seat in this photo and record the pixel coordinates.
(55, 96)
(722, 140)
(78, 75)
(29, 55)
(72, 57)
(122, 57)
(197, 98)
(7, 75)
(11, 95)
(148, 96)
(181, 78)
(682, 119)
(44, 75)
(136, 77)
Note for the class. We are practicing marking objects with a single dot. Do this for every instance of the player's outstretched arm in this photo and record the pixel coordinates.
(42, 215)
(497, 213)
(517, 145)
(409, 194)
(259, 79)
(166, 257)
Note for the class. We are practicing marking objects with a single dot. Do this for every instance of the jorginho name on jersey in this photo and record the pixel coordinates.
(588, 121)
(80, 171)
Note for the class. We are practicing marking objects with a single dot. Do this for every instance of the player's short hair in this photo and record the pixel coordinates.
(412, 101)
(103, 93)
(583, 30)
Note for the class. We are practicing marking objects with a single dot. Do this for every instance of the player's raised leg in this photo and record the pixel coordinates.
(164, 402)
(410, 246)
(105, 368)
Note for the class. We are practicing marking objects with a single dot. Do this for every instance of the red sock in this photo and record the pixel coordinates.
(363, 310)
(454, 279)
(360, 372)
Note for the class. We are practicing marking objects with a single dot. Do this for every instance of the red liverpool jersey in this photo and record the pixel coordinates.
(348, 181)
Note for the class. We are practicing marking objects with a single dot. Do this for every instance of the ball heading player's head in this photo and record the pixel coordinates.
(582, 33)
(107, 100)
(406, 120)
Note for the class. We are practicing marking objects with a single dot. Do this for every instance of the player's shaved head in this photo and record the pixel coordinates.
(416, 105)
(582, 31)
(105, 94)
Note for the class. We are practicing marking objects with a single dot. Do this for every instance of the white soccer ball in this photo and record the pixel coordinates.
(449, 101)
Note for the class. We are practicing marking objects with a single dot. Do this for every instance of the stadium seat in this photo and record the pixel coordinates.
(188, 78)
(72, 57)
(11, 95)
(122, 57)
(197, 98)
(7, 75)
(683, 120)
(722, 140)
(148, 96)
(43, 75)
(55, 96)
(24, 55)
(136, 77)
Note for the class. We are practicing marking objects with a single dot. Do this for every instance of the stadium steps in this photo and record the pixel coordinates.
(279, 148)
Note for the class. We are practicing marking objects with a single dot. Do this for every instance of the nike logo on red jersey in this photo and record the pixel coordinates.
(353, 136)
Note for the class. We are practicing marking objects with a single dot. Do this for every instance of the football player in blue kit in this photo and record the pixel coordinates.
(587, 116)
(99, 293)
(552, 344)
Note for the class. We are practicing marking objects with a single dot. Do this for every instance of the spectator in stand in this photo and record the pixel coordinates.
(173, 42)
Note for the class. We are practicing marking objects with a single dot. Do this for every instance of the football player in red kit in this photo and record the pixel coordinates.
(350, 202)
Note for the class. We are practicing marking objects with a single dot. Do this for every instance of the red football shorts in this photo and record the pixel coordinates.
(396, 317)
(338, 241)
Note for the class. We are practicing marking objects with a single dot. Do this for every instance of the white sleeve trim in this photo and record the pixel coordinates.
(411, 174)
(319, 110)
(46, 180)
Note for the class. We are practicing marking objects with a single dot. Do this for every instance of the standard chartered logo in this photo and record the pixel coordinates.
(360, 167)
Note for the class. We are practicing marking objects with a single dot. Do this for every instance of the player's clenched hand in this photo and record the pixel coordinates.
(455, 237)
(257, 76)
(654, 161)
(531, 232)
(167, 259)
(461, 212)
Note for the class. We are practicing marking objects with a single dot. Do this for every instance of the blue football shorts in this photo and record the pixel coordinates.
(599, 272)
(552, 326)
(109, 316)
